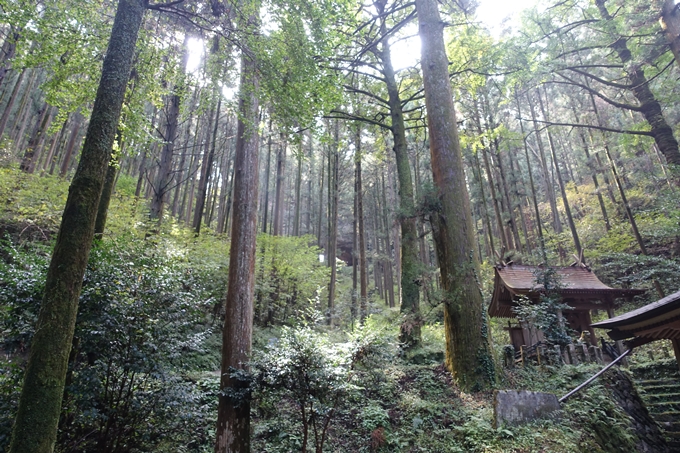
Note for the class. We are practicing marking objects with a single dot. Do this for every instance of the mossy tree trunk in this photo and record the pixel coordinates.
(35, 428)
(468, 354)
(410, 275)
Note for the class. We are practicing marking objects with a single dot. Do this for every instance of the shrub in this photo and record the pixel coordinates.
(140, 321)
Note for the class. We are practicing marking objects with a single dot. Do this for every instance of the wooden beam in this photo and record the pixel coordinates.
(676, 349)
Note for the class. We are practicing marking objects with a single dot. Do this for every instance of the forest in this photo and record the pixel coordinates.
(275, 225)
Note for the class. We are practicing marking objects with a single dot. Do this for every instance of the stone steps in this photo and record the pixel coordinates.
(662, 398)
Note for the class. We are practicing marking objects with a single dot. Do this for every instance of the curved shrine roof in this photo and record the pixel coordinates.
(576, 282)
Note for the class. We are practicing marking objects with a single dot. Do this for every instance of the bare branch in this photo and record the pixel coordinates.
(590, 126)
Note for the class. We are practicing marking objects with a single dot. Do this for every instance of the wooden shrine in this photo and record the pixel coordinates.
(656, 321)
(580, 289)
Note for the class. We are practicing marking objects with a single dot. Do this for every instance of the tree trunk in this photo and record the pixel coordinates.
(70, 147)
(8, 50)
(39, 148)
(333, 220)
(363, 269)
(492, 185)
(487, 219)
(56, 142)
(649, 106)
(181, 169)
(10, 102)
(24, 112)
(225, 189)
(207, 170)
(593, 174)
(35, 428)
(387, 247)
(410, 277)
(165, 175)
(354, 308)
(280, 182)
(539, 226)
(468, 354)
(321, 186)
(265, 206)
(547, 180)
(105, 199)
(30, 155)
(565, 200)
(233, 414)
(298, 185)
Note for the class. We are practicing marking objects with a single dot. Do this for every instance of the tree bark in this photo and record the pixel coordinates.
(30, 153)
(298, 186)
(105, 200)
(650, 107)
(8, 50)
(267, 171)
(333, 220)
(165, 177)
(468, 354)
(10, 102)
(280, 182)
(233, 414)
(410, 275)
(547, 180)
(207, 170)
(70, 147)
(35, 428)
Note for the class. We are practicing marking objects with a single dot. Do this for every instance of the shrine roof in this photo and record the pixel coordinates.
(576, 282)
(660, 319)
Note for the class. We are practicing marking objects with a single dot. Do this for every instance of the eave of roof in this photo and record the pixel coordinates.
(520, 280)
(659, 311)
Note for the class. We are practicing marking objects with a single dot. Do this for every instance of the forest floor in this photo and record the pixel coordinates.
(402, 406)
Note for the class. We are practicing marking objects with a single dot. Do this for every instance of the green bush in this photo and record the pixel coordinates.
(140, 326)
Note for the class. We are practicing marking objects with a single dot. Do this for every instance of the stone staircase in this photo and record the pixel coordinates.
(659, 388)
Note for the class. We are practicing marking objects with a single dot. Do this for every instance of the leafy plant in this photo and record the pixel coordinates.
(140, 323)
(315, 374)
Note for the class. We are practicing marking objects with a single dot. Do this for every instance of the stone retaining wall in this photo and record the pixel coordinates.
(650, 438)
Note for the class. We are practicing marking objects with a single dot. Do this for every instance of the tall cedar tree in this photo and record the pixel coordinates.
(233, 418)
(35, 428)
(467, 346)
(410, 291)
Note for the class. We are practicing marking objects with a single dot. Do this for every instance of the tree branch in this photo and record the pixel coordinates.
(160, 6)
(620, 105)
(590, 126)
(348, 116)
(351, 89)
(600, 80)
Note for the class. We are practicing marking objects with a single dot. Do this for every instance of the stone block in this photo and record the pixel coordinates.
(513, 407)
(573, 355)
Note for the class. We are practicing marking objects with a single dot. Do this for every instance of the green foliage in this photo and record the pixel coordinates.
(315, 374)
(140, 322)
(32, 204)
(629, 270)
(602, 418)
(289, 276)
